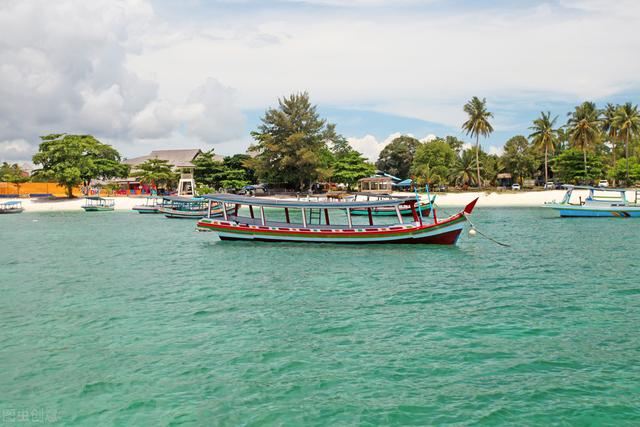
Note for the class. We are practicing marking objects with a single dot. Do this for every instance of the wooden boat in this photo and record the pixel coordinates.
(98, 204)
(600, 202)
(233, 226)
(188, 208)
(12, 207)
(151, 205)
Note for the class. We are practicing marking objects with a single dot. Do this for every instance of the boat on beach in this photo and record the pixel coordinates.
(98, 204)
(600, 202)
(12, 207)
(151, 205)
(233, 226)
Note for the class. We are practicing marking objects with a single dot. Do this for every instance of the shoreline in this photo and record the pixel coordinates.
(486, 199)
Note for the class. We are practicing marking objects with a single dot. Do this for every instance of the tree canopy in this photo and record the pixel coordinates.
(291, 143)
(396, 158)
(477, 124)
(155, 172)
(350, 167)
(71, 160)
(231, 172)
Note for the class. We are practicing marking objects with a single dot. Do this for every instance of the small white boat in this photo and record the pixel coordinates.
(98, 204)
(600, 202)
(12, 207)
(151, 205)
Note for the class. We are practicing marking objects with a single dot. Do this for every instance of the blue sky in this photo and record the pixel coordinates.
(151, 74)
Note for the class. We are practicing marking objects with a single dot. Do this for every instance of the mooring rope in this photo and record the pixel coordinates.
(473, 227)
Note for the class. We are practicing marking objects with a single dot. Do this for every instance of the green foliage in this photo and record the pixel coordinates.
(569, 166)
(13, 174)
(433, 162)
(519, 157)
(350, 167)
(291, 143)
(627, 121)
(544, 138)
(463, 171)
(477, 124)
(156, 172)
(215, 174)
(619, 171)
(396, 158)
(584, 129)
(74, 159)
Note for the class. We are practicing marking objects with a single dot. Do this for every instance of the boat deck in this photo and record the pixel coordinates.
(257, 221)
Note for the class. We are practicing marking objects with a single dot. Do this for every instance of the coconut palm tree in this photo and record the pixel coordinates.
(610, 129)
(477, 124)
(584, 128)
(544, 138)
(463, 170)
(627, 120)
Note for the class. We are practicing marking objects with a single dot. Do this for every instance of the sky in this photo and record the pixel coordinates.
(158, 74)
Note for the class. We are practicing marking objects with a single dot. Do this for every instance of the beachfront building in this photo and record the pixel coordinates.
(376, 184)
(180, 160)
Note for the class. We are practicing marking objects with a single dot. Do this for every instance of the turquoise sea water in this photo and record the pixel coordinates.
(126, 319)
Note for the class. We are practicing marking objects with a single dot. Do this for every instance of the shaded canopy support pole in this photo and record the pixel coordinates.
(251, 212)
(304, 218)
(416, 218)
(286, 214)
(262, 218)
(209, 210)
(349, 218)
(370, 216)
(326, 216)
(237, 209)
(399, 214)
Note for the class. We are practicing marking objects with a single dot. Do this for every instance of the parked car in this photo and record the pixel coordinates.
(559, 186)
(254, 190)
(515, 186)
(603, 183)
(549, 185)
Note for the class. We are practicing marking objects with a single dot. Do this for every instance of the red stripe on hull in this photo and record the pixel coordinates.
(448, 238)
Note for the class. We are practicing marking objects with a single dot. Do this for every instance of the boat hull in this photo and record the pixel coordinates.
(97, 208)
(597, 212)
(147, 209)
(11, 211)
(443, 233)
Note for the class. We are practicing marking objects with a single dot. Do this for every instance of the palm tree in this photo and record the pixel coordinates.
(584, 128)
(627, 120)
(544, 138)
(477, 124)
(463, 170)
(610, 129)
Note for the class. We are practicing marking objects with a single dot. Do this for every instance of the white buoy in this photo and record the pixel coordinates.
(472, 232)
(35, 220)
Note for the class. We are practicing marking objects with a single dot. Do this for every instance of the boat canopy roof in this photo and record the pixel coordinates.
(95, 198)
(12, 203)
(588, 187)
(290, 203)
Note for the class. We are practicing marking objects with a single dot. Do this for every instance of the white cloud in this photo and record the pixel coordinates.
(370, 147)
(63, 68)
(498, 151)
(15, 150)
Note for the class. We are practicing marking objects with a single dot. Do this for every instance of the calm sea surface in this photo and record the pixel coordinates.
(120, 318)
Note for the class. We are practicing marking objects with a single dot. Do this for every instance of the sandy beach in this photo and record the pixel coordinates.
(486, 199)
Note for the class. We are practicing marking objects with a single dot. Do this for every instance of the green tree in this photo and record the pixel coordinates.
(477, 124)
(627, 121)
(155, 172)
(396, 158)
(621, 169)
(518, 157)
(463, 172)
(350, 167)
(569, 166)
(74, 159)
(13, 174)
(609, 128)
(241, 162)
(433, 162)
(544, 138)
(228, 173)
(291, 143)
(455, 143)
(584, 128)
(338, 144)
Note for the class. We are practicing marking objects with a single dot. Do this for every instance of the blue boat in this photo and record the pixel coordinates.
(599, 202)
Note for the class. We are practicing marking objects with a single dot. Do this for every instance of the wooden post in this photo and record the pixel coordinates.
(304, 218)
(262, 218)
(349, 218)
(414, 213)
(251, 211)
(370, 216)
(286, 214)
(399, 214)
(237, 209)
(209, 210)
(326, 216)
